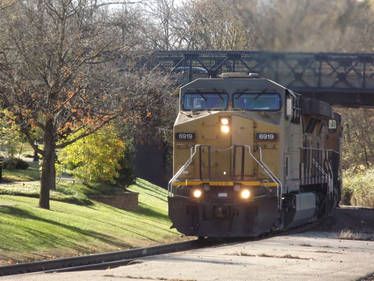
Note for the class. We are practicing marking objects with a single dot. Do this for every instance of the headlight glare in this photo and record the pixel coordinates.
(225, 121)
(245, 194)
(197, 193)
(225, 129)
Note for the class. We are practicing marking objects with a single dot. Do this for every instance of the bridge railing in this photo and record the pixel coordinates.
(338, 78)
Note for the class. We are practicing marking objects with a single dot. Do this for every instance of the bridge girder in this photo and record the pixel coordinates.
(345, 79)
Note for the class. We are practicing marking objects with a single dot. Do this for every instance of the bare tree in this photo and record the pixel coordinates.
(358, 143)
(162, 23)
(277, 25)
(215, 25)
(60, 76)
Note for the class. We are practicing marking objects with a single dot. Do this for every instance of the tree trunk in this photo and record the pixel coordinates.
(53, 183)
(48, 178)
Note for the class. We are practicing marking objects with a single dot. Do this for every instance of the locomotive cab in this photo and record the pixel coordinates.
(236, 157)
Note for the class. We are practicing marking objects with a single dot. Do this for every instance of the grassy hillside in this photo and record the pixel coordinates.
(29, 233)
(30, 174)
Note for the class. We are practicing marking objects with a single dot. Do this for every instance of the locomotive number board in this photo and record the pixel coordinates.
(266, 136)
(185, 136)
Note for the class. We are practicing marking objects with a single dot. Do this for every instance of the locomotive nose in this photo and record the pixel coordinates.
(221, 212)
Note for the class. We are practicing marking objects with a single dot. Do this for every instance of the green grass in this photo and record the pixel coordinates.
(358, 187)
(28, 232)
(66, 190)
(32, 173)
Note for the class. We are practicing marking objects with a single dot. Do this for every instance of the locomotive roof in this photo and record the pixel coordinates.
(234, 84)
(309, 106)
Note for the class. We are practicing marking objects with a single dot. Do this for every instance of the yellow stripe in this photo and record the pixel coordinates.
(250, 183)
(224, 183)
(221, 183)
(187, 183)
(270, 184)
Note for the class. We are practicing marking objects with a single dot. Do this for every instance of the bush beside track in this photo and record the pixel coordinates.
(28, 233)
(358, 187)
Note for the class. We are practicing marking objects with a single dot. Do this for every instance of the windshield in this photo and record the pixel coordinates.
(205, 101)
(257, 101)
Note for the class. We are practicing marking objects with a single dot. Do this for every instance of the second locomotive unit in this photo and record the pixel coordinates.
(251, 157)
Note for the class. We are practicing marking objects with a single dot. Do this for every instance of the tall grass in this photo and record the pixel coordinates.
(358, 187)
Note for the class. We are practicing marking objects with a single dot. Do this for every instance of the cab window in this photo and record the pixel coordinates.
(257, 101)
(204, 101)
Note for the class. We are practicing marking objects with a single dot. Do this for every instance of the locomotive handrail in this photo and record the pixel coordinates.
(269, 173)
(274, 177)
(259, 161)
(180, 171)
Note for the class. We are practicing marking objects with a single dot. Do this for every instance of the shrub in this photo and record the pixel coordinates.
(94, 158)
(10, 136)
(346, 196)
(15, 164)
(358, 187)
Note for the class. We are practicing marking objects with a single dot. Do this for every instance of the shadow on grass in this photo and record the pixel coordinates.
(98, 189)
(32, 173)
(144, 210)
(155, 193)
(65, 199)
(152, 216)
(53, 240)
(129, 229)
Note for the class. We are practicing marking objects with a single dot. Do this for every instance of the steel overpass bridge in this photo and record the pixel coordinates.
(345, 79)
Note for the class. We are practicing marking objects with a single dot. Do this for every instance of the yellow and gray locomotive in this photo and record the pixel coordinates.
(251, 157)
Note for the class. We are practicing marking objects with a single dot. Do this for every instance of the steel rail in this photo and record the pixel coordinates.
(104, 260)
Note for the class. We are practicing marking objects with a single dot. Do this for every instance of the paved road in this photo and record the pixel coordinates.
(306, 256)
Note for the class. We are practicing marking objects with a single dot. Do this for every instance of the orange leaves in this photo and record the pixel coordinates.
(66, 128)
(70, 94)
(32, 123)
(69, 125)
(66, 71)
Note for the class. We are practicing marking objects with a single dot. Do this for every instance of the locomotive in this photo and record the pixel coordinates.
(251, 157)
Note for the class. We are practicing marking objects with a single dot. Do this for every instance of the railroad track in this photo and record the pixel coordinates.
(104, 260)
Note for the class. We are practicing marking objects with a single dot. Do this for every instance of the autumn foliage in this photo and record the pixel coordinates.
(57, 76)
(95, 157)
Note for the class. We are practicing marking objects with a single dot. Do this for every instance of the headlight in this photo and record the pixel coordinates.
(225, 125)
(225, 129)
(224, 121)
(245, 194)
(197, 193)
